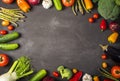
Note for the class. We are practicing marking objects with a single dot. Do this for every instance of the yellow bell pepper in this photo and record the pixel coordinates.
(112, 38)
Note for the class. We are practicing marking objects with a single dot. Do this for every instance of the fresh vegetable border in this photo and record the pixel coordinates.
(22, 67)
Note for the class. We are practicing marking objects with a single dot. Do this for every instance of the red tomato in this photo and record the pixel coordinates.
(10, 27)
(8, 1)
(55, 74)
(3, 32)
(104, 56)
(115, 71)
(95, 15)
(91, 20)
(68, 3)
(4, 60)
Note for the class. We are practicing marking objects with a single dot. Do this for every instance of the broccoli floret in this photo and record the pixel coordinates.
(108, 9)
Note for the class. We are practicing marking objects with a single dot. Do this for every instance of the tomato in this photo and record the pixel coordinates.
(10, 27)
(104, 65)
(91, 20)
(4, 60)
(104, 56)
(74, 70)
(95, 15)
(3, 32)
(115, 71)
(5, 23)
(8, 1)
(55, 74)
(68, 3)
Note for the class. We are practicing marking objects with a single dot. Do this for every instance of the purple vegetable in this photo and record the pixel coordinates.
(114, 27)
(48, 78)
(34, 2)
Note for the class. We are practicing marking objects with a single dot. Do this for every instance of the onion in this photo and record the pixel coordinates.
(114, 27)
(34, 2)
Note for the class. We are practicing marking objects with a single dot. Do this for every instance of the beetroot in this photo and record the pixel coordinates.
(114, 27)
(48, 78)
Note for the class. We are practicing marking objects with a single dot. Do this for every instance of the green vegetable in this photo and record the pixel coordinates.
(117, 2)
(8, 46)
(39, 75)
(9, 37)
(108, 9)
(65, 72)
(58, 4)
(20, 68)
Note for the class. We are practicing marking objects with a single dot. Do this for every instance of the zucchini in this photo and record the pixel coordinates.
(39, 75)
(9, 37)
(57, 4)
(9, 46)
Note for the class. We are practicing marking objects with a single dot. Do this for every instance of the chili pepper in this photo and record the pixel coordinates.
(112, 38)
(23, 5)
(103, 25)
(96, 78)
(107, 80)
(77, 76)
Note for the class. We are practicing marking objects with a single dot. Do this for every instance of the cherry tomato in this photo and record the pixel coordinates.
(4, 60)
(95, 15)
(55, 74)
(74, 70)
(104, 56)
(5, 23)
(3, 32)
(10, 27)
(8, 1)
(68, 3)
(91, 20)
(115, 71)
(104, 65)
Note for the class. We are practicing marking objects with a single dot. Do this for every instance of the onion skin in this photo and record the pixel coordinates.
(33, 2)
(114, 27)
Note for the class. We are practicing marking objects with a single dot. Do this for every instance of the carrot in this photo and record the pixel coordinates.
(23, 5)
(88, 4)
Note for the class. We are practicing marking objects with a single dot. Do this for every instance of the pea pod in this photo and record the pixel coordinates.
(58, 4)
(8, 46)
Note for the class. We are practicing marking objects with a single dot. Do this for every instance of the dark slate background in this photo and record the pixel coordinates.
(52, 38)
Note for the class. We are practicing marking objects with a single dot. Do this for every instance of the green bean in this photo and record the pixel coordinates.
(84, 6)
(80, 7)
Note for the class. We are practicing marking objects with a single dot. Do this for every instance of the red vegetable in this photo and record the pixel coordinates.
(68, 3)
(107, 80)
(3, 32)
(4, 60)
(77, 76)
(114, 27)
(48, 78)
(55, 74)
(8, 1)
(34, 2)
(103, 25)
(115, 71)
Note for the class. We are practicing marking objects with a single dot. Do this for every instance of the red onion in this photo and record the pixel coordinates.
(114, 27)
(34, 2)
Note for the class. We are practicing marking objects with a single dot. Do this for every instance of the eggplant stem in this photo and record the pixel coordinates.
(104, 47)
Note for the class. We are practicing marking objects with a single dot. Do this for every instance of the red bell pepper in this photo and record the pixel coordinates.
(77, 76)
(103, 25)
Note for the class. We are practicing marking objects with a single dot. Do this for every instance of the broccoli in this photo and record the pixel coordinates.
(108, 9)
(65, 72)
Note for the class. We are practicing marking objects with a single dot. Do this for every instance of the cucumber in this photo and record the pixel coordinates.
(58, 4)
(9, 37)
(9, 46)
(39, 75)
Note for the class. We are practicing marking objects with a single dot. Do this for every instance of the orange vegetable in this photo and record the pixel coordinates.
(96, 78)
(88, 4)
(115, 71)
(23, 5)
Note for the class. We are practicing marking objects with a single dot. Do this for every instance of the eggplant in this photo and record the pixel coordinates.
(112, 52)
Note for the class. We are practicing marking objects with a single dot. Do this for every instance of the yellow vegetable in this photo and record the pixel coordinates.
(96, 78)
(104, 65)
(112, 38)
(88, 4)
(74, 70)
